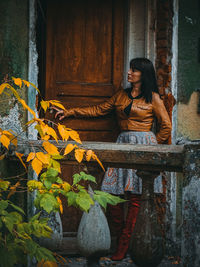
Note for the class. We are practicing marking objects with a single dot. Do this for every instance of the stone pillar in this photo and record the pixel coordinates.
(190, 247)
(147, 242)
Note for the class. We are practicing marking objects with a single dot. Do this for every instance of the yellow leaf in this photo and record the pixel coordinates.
(89, 155)
(36, 165)
(2, 156)
(79, 154)
(66, 186)
(51, 131)
(3, 86)
(30, 156)
(13, 189)
(17, 81)
(30, 122)
(44, 158)
(5, 141)
(46, 137)
(96, 158)
(19, 155)
(50, 148)
(44, 105)
(57, 104)
(12, 138)
(27, 107)
(61, 206)
(63, 132)
(47, 264)
(26, 83)
(75, 136)
(69, 148)
(34, 87)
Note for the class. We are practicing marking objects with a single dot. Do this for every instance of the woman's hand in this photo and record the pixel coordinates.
(60, 113)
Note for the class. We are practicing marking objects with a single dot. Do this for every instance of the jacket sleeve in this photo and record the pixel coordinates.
(163, 119)
(93, 111)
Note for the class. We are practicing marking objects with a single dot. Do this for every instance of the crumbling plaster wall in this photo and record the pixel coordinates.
(188, 120)
(13, 59)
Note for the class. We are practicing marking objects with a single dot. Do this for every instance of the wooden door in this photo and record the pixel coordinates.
(84, 66)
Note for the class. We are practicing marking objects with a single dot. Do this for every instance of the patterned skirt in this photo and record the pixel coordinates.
(117, 180)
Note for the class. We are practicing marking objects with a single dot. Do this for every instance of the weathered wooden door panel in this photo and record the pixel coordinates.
(84, 66)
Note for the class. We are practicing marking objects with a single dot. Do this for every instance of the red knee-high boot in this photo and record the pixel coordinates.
(124, 239)
(117, 217)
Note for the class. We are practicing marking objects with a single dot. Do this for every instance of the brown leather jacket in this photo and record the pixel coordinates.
(140, 118)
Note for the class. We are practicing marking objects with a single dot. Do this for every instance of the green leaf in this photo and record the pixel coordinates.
(57, 157)
(47, 183)
(3, 204)
(16, 217)
(84, 201)
(101, 200)
(8, 221)
(49, 203)
(59, 180)
(17, 208)
(35, 217)
(71, 198)
(51, 173)
(76, 178)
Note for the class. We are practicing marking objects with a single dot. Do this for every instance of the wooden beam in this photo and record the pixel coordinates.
(146, 157)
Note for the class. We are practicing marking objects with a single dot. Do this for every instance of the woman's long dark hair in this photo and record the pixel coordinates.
(148, 78)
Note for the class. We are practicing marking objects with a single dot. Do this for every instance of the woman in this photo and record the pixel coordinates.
(136, 107)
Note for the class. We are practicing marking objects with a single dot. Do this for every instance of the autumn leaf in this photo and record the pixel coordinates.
(2, 156)
(75, 136)
(50, 148)
(66, 186)
(26, 83)
(17, 81)
(51, 131)
(44, 158)
(30, 156)
(36, 165)
(63, 132)
(69, 148)
(61, 206)
(47, 264)
(13, 189)
(44, 105)
(79, 154)
(5, 140)
(34, 87)
(27, 107)
(19, 155)
(3, 86)
(12, 138)
(57, 104)
(96, 158)
(89, 155)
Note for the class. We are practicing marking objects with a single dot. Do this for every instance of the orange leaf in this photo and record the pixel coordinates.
(17, 81)
(27, 107)
(50, 148)
(44, 105)
(66, 186)
(13, 189)
(69, 148)
(5, 141)
(51, 131)
(61, 206)
(96, 158)
(46, 137)
(47, 264)
(44, 158)
(12, 138)
(30, 156)
(3, 86)
(26, 83)
(75, 136)
(79, 154)
(36, 165)
(19, 155)
(63, 132)
(2, 156)
(89, 155)
(57, 104)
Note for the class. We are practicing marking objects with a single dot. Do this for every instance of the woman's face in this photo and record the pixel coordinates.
(134, 76)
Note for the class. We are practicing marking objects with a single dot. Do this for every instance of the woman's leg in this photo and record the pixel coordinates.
(123, 244)
(116, 214)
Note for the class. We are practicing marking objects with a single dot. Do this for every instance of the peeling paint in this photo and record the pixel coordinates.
(12, 121)
(188, 124)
